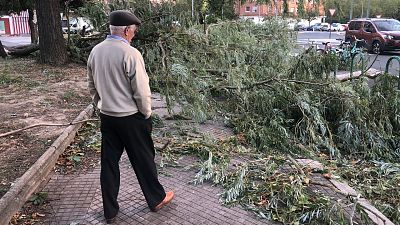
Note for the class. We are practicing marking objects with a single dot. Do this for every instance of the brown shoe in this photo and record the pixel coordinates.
(110, 221)
(168, 198)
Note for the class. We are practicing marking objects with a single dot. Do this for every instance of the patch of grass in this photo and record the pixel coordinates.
(3, 191)
(5, 79)
(46, 102)
(8, 79)
(53, 75)
(38, 198)
(69, 95)
(157, 121)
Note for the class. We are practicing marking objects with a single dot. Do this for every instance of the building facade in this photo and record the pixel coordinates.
(256, 12)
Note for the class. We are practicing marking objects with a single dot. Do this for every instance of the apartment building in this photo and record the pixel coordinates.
(252, 10)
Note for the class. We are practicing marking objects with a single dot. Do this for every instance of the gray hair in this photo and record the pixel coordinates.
(119, 29)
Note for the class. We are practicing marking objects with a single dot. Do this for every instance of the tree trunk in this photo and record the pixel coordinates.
(68, 26)
(23, 50)
(3, 53)
(33, 27)
(51, 40)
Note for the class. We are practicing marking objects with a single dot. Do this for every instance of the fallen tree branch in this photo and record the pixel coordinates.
(296, 164)
(353, 211)
(212, 71)
(164, 146)
(46, 124)
(304, 82)
(23, 50)
(163, 55)
(357, 76)
(376, 214)
(264, 82)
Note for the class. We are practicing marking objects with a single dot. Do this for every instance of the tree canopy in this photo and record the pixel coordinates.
(386, 8)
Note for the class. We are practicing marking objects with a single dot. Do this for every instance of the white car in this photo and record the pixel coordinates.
(336, 27)
(76, 25)
(325, 27)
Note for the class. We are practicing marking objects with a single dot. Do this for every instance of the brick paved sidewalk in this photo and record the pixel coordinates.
(76, 199)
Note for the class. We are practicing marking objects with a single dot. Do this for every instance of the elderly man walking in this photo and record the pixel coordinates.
(119, 86)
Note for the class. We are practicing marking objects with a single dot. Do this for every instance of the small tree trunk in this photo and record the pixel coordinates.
(52, 43)
(33, 27)
(23, 50)
(68, 26)
(2, 51)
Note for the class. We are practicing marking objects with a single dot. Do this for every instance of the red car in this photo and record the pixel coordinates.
(379, 34)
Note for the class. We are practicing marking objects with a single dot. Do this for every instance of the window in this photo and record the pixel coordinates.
(247, 8)
(368, 27)
(254, 8)
(2, 26)
(291, 10)
(388, 25)
(355, 25)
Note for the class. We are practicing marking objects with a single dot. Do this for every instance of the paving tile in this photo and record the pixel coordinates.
(77, 198)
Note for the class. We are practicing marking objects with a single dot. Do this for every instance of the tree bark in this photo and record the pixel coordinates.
(23, 50)
(33, 27)
(51, 41)
(3, 53)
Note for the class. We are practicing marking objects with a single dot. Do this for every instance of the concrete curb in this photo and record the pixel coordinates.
(371, 74)
(373, 213)
(24, 186)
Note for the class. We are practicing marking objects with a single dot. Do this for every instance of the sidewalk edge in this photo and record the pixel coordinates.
(24, 186)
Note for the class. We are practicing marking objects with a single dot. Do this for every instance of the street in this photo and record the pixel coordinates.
(12, 41)
(305, 38)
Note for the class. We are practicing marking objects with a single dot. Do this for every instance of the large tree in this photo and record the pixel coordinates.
(300, 8)
(285, 7)
(271, 3)
(52, 43)
(387, 8)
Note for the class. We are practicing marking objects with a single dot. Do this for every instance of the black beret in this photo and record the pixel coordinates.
(123, 18)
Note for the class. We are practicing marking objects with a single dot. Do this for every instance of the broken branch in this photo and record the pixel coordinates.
(46, 124)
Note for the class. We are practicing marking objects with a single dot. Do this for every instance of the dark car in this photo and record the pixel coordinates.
(314, 27)
(379, 34)
(300, 27)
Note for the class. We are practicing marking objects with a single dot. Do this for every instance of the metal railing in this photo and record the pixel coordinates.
(388, 65)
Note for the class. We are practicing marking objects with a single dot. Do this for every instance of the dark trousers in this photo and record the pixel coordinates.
(134, 134)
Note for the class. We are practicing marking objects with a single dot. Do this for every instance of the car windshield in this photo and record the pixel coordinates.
(388, 25)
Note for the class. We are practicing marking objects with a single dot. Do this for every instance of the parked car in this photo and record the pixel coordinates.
(324, 27)
(77, 25)
(314, 27)
(344, 26)
(336, 27)
(300, 27)
(379, 34)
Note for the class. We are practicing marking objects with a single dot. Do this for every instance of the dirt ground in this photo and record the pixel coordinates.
(32, 93)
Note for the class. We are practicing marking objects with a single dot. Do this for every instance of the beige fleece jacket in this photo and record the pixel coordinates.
(117, 79)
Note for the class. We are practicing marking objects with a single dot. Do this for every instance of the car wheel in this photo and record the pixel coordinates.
(376, 47)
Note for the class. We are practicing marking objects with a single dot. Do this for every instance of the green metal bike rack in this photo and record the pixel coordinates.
(388, 65)
(352, 63)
